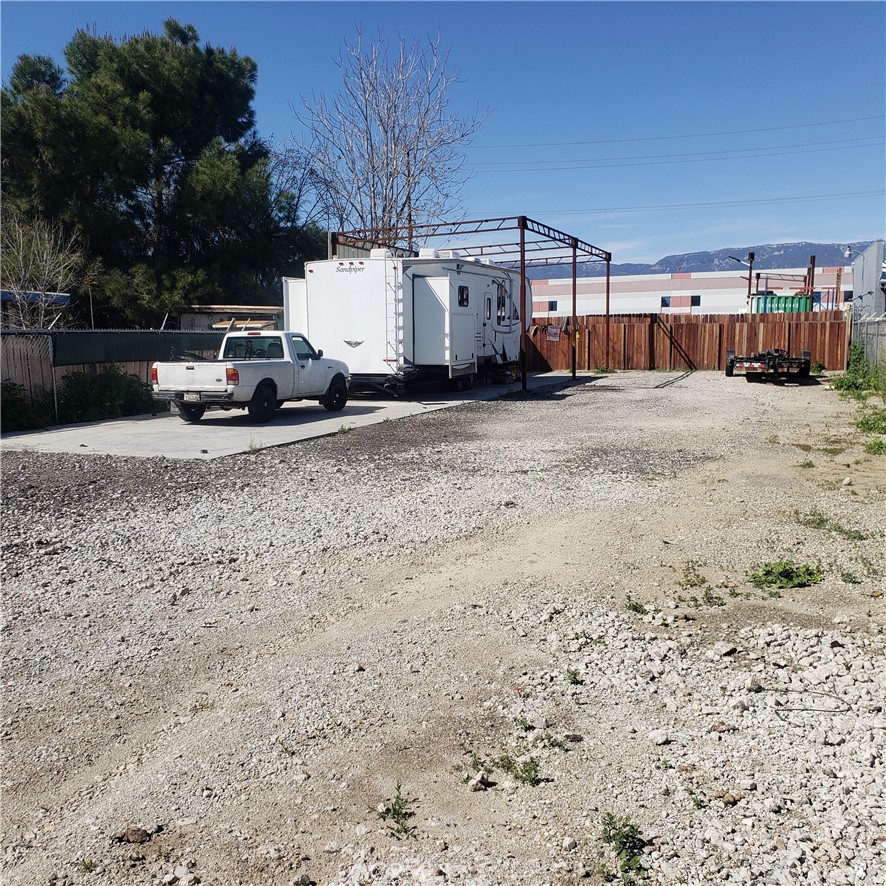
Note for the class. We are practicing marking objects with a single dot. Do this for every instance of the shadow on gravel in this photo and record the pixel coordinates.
(785, 381)
(673, 381)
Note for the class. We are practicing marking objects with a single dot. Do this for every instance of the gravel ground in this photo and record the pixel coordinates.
(462, 647)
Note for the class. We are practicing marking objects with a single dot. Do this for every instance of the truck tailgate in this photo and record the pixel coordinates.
(201, 375)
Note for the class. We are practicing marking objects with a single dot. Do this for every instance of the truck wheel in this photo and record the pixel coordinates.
(335, 398)
(190, 412)
(263, 404)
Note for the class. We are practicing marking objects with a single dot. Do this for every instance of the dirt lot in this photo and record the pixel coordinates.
(534, 615)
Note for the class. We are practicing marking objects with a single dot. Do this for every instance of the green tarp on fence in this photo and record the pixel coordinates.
(73, 347)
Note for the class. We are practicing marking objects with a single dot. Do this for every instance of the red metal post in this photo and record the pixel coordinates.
(524, 362)
(574, 303)
(811, 282)
(608, 268)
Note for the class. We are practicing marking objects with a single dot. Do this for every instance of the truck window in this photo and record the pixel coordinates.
(251, 347)
(303, 350)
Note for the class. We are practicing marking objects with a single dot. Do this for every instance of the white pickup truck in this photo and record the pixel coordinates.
(257, 371)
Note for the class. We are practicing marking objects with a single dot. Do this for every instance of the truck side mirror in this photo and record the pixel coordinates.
(320, 352)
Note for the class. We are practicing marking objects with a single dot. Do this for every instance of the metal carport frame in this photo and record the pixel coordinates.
(536, 245)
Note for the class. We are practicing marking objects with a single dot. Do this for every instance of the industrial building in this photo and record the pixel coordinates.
(717, 292)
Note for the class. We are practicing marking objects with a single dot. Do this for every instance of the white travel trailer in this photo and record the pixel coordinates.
(397, 320)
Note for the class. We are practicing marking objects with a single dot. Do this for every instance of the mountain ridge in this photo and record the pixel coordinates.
(767, 256)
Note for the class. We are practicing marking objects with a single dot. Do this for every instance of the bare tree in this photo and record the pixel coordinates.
(385, 148)
(37, 261)
(294, 193)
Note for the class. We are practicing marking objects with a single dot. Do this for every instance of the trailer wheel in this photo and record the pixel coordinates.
(806, 365)
(336, 396)
(730, 364)
(190, 412)
(263, 404)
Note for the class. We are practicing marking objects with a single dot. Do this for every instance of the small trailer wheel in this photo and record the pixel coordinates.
(730, 364)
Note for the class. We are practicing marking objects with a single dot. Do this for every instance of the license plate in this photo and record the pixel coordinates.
(192, 398)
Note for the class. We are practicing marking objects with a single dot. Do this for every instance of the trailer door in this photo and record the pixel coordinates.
(430, 327)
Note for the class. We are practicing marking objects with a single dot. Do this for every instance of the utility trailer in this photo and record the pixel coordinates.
(396, 321)
(774, 363)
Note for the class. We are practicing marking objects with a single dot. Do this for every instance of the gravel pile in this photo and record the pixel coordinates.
(487, 645)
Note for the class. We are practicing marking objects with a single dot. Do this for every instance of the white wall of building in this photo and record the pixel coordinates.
(717, 292)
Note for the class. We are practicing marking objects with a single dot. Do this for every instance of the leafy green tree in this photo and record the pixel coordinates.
(148, 148)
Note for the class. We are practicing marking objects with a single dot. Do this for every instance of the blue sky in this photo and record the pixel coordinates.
(646, 129)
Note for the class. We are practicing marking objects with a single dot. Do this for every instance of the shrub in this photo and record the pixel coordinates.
(785, 574)
(109, 394)
(858, 377)
(17, 414)
(872, 421)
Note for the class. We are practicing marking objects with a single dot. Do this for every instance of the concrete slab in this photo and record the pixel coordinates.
(221, 434)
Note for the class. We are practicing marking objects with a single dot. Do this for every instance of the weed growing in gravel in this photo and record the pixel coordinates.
(816, 520)
(785, 574)
(692, 578)
(859, 377)
(202, 704)
(709, 598)
(625, 838)
(551, 741)
(875, 447)
(344, 429)
(475, 763)
(633, 605)
(285, 748)
(86, 865)
(817, 367)
(698, 801)
(604, 370)
(522, 723)
(395, 812)
(872, 421)
(526, 771)
(850, 578)
(806, 464)
(573, 677)
(253, 446)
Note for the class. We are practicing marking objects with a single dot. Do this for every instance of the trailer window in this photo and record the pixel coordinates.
(501, 314)
(463, 296)
(488, 307)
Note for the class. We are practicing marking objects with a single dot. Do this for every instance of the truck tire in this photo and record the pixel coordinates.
(190, 412)
(263, 404)
(336, 396)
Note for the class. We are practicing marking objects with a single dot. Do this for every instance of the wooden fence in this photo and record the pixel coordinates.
(684, 341)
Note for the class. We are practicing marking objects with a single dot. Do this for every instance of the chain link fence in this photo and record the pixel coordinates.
(869, 304)
(68, 376)
(870, 334)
